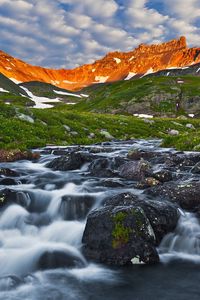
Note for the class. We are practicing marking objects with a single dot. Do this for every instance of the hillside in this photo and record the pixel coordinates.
(157, 95)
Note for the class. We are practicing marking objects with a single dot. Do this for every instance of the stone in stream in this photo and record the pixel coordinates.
(8, 172)
(186, 195)
(52, 259)
(15, 155)
(106, 167)
(126, 229)
(8, 181)
(72, 161)
(163, 176)
(76, 207)
(8, 196)
(136, 170)
(196, 169)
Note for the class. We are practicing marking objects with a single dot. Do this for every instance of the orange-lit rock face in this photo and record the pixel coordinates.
(114, 66)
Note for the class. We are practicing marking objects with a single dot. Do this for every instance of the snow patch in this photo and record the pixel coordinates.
(130, 75)
(40, 102)
(150, 71)
(15, 80)
(191, 115)
(67, 94)
(130, 59)
(84, 95)
(198, 70)
(69, 82)
(143, 116)
(101, 79)
(3, 91)
(168, 73)
(55, 82)
(118, 60)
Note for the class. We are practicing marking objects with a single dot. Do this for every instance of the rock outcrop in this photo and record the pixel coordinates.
(114, 66)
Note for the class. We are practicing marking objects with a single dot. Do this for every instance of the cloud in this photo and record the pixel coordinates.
(68, 33)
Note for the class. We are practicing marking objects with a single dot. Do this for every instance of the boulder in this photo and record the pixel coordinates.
(106, 167)
(8, 172)
(186, 195)
(163, 176)
(76, 207)
(53, 259)
(135, 170)
(163, 216)
(196, 169)
(117, 235)
(8, 196)
(72, 161)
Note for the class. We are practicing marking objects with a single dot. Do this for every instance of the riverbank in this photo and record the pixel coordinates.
(25, 128)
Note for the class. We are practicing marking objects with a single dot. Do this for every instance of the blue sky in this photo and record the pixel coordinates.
(69, 33)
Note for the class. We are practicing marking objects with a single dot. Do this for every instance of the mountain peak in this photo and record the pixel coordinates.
(114, 66)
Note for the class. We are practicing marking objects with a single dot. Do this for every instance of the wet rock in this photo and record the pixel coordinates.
(106, 167)
(187, 195)
(196, 169)
(9, 181)
(163, 216)
(147, 182)
(10, 282)
(135, 154)
(8, 172)
(53, 259)
(135, 170)
(14, 155)
(113, 183)
(72, 161)
(163, 176)
(116, 235)
(8, 196)
(75, 207)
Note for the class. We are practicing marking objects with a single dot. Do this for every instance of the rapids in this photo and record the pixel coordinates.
(46, 228)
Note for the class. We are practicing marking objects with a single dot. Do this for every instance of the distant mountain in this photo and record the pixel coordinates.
(144, 60)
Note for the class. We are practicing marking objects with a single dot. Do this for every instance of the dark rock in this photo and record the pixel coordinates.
(163, 216)
(135, 170)
(106, 167)
(8, 196)
(163, 176)
(8, 181)
(76, 207)
(14, 155)
(117, 235)
(196, 169)
(135, 154)
(73, 161)
(53, 259)
(8, 172)
(113, 183)
(147, 182)
(187, 195)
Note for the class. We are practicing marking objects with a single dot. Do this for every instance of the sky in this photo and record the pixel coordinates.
(69, 33)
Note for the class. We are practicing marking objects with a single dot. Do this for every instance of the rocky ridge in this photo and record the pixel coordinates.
(115, 66)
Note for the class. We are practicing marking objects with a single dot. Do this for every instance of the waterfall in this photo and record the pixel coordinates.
(184, 242)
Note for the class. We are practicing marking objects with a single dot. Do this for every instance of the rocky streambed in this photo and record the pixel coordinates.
(118, 219)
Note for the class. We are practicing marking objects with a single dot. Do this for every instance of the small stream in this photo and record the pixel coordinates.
(41, 230)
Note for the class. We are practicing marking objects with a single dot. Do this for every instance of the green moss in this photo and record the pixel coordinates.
(120, 233)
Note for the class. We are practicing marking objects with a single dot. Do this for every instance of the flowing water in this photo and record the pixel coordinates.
(46, 224)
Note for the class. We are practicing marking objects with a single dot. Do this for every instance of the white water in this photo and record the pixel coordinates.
(184, 242)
